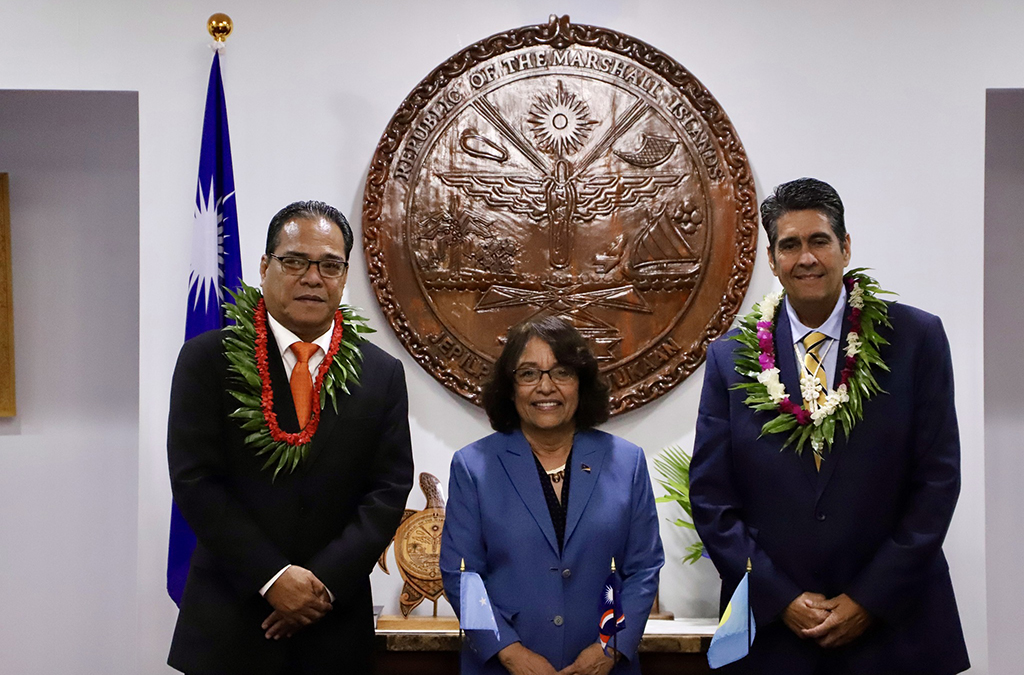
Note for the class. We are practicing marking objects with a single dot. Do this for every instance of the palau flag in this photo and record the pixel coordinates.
(612, 618)
(475, 607)
(216, 265)
(736, 630)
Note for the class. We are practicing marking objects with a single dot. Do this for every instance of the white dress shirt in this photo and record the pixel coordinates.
(833, 328)
(285, 339)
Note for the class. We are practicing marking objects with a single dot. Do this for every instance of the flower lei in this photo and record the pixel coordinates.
(755, 359)
(245, 347)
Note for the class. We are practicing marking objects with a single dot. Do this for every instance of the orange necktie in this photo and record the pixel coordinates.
(301, 382)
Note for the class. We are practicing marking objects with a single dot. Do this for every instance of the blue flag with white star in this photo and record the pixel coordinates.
(475, 612)
(216, 265)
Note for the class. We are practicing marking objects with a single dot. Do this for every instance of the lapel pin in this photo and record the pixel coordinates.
(585, 468)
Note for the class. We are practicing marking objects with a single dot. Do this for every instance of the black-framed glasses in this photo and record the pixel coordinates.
(531, 375)
(329, 268)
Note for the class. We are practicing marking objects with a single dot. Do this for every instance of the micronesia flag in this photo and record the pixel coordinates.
(216, 265)
(474, 605)
(736, 630)
(612, 618)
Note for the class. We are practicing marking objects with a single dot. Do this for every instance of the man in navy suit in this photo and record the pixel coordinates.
(279, 581)
(848, 574)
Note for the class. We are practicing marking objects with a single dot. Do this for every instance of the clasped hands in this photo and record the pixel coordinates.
(831, 622)
(519, 660)
(299, 599)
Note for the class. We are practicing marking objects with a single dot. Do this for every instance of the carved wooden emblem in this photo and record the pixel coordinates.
(561, 169)
(418, 549)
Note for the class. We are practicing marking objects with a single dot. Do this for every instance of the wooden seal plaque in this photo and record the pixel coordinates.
(561, 169)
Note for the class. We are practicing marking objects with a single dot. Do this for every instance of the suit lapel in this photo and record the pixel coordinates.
(284, 407)
(844, 330)
(328, 418)
(586, 450)
(785, 359)
(785, 356)
(517, 458)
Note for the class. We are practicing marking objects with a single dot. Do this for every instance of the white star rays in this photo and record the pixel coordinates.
(207, 273)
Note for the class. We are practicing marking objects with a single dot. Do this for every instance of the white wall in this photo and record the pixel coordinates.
(884, 100)
(69, 461)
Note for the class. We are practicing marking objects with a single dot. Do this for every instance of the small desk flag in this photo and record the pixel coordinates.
(736, 630)
(612, 618)
(475, 607)
(216, 265)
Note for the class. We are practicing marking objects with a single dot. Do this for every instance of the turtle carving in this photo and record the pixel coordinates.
(418, 549)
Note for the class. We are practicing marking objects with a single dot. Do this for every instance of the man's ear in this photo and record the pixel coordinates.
(771, 259)
(264, 261)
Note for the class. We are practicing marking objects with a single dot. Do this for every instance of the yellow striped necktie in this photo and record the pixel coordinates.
(815, 367)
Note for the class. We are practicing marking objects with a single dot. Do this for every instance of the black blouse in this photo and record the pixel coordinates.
(555, 508)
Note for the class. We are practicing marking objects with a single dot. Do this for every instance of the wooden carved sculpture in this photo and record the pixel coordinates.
(418, 549)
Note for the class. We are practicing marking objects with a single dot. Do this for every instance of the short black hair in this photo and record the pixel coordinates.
(570, 349)
(308, 209)
(799, 195)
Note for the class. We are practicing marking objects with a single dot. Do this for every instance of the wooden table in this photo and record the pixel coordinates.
(428, 646)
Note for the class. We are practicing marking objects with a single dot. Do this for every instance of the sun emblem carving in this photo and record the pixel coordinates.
(561, 122)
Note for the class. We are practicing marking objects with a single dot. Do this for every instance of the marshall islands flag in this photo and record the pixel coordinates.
(216, 266)
(735, 632)
(612, 618)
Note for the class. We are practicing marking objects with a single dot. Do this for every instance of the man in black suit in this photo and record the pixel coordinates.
(279, 582)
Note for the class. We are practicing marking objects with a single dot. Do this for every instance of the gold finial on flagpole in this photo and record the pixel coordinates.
(748, 565)
(462, 565)
(613, 563)
(219, 25)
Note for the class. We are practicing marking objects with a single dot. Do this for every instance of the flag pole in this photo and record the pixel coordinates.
(462, 568)
(615, 619)
(750, 640)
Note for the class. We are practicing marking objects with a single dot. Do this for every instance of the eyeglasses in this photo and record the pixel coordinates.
(329, 268)
(531, 375)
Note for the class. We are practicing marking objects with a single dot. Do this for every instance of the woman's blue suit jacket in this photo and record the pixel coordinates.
(498, 521)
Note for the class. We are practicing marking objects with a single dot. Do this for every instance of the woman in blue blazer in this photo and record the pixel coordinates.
(539, 509)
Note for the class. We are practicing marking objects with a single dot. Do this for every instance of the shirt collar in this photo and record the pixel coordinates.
(285, 338)
(832, 327)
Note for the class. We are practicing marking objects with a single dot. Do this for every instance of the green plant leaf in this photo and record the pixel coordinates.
(694, 552)
(673, 465)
